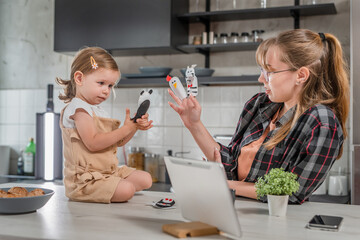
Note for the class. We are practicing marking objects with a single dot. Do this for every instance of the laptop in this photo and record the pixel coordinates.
(202, 192)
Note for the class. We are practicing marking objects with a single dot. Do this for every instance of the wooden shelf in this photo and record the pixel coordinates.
(228, 47)
(260, 13)
(203, 81)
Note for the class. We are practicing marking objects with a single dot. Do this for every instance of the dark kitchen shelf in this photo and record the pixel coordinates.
(242, 80)
(228, 47)
(260, 13)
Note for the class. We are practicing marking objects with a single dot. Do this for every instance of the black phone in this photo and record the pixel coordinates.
(323, 222)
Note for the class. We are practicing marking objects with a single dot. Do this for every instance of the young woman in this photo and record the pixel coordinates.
(298, 123)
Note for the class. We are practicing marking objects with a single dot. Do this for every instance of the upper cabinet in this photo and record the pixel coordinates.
(152, 27)
(136, 27)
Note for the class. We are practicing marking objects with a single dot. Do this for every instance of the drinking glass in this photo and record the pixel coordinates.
(263, 3)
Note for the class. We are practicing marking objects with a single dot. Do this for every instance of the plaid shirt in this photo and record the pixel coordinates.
(309, 150)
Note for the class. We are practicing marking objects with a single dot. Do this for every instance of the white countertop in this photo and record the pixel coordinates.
(64, 219)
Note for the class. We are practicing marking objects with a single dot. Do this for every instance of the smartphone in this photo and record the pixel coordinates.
(323, 222)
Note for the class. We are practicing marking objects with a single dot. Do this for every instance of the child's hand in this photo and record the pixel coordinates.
(128, 121)
(143, 123)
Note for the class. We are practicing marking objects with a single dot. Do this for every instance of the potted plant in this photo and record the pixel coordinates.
(277, 185)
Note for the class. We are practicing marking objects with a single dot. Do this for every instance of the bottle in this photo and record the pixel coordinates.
(29, 158)
(50, 103)
(20, 164)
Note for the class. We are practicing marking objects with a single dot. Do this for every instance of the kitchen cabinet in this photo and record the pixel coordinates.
(123, 27)
(295, 11)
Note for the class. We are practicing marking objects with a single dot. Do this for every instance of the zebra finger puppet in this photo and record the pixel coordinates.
(176, 87)
(191, 80)
(143, 104)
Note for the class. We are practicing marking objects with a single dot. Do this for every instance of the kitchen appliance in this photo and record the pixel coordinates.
(338, 185)
(4, 160)
(49, 156)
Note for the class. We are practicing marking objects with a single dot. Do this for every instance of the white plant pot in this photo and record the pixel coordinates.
(277, 205)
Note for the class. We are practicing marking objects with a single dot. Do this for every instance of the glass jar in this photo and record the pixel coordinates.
(245, 37)
(136, 158)
(223, 38)
(234, 38)
(152, 165)
(216, 38)
(197, 40)
(257, 35)
(263, 3)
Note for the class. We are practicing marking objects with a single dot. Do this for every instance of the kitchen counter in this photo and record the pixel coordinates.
(64, 219)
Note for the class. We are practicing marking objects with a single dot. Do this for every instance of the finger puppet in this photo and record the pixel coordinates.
(143, 104)
(176, 87)
(191, 80)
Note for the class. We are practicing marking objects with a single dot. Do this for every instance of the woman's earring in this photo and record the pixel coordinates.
(297, 83)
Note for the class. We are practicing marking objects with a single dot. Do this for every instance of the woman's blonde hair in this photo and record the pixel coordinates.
(328, 82)
(83, 63)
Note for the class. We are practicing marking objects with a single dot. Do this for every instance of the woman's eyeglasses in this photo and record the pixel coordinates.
(267, 74)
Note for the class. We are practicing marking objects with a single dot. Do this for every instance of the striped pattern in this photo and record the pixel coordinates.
(309, 150)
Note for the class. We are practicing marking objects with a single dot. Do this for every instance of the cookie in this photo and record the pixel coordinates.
(22, 192)
(2, 193)
(36, 192)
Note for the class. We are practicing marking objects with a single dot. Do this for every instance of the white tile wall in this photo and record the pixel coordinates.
(220, 113)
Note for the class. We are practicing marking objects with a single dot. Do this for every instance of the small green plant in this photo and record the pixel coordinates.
(277, 182)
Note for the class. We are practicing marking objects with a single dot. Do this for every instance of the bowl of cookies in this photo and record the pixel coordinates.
(17, 200)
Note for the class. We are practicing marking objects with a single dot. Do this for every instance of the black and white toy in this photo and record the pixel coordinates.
(164, 203)
(143, 104)
(191, 80)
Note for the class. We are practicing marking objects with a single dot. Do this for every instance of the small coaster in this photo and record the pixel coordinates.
(189, 229)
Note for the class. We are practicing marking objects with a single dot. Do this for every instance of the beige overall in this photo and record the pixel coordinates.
(91, 176)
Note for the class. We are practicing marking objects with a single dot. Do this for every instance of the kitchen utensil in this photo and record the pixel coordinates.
(200, 72)
(24, 204)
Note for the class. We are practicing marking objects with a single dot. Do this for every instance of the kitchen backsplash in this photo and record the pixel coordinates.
(221, 107)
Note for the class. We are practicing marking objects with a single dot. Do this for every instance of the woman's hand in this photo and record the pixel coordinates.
(143, 123)
(188, 109)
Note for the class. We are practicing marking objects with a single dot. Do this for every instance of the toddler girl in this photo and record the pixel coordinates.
(91, 138)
